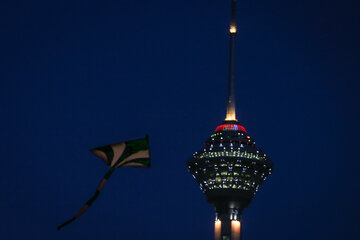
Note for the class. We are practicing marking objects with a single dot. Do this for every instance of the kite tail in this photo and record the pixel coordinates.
(90, 201)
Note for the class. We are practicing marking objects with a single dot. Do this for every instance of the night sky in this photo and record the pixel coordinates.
(81, 74)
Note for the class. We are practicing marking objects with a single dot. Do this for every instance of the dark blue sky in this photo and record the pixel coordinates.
(80, 74)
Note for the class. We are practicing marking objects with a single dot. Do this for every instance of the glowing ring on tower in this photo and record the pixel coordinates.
(230, 127)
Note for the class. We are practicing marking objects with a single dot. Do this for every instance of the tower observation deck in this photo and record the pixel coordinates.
(230, 168)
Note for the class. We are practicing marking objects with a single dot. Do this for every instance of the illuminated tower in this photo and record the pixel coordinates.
(230, 168)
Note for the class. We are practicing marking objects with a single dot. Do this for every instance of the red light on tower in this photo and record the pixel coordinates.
(230, 127)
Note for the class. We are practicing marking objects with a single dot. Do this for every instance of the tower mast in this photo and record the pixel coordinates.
(230, 113)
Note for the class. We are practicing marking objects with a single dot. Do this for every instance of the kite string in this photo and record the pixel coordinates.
(91, 200)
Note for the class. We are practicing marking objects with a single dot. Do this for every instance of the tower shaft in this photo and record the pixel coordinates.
(229, 230)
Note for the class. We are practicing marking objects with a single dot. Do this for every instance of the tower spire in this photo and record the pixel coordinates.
(230, 113)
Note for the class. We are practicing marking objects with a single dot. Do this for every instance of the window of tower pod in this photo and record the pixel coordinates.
(218, 179)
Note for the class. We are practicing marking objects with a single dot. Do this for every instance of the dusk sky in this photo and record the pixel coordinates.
(81, 74)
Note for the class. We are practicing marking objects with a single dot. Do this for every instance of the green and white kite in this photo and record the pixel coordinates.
(134, 153)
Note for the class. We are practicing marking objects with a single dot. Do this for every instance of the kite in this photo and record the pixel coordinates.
(133, 153)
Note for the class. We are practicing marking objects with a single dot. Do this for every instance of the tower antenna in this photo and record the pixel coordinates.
(230, 113)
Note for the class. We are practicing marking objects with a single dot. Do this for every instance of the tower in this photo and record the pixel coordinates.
(230, 168)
